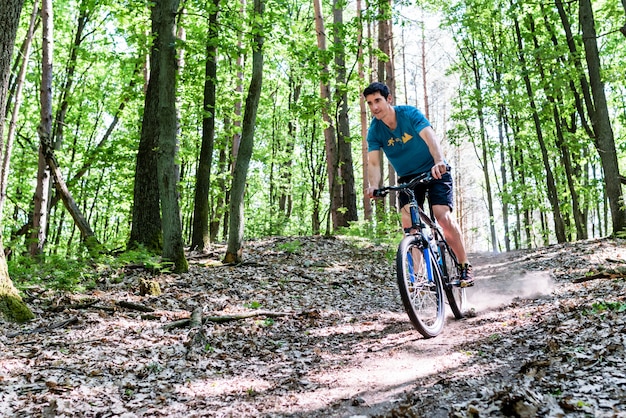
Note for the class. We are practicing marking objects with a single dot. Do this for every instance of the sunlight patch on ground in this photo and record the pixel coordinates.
(9, 367)
(349, 328)
(378, 380)
(237, 385)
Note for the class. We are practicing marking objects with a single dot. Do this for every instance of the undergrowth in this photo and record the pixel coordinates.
(75, 274)
(80, 273)
(385, 233)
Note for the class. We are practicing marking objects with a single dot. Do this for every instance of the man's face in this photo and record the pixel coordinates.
(379, 106)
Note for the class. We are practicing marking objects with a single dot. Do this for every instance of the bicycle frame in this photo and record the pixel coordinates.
(420, 220)
(438, 266)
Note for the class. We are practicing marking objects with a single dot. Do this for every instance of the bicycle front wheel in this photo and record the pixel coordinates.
(420, 287)
(454, 292)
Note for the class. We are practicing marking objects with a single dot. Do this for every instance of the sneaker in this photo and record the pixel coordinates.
(467, 276)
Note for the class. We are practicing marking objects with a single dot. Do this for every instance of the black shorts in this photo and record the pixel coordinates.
(439, 191)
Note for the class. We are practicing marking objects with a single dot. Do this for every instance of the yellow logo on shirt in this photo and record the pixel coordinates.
(405, 138)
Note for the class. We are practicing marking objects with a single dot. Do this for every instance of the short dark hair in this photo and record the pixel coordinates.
(376, 87)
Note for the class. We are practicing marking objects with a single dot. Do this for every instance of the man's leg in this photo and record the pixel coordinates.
(405, 217)
(453, 236)
(451, 231)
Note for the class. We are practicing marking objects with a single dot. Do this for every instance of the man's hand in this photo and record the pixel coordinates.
(439, 169)
(369, 192)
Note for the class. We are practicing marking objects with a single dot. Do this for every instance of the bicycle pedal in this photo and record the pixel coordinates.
(463, 284)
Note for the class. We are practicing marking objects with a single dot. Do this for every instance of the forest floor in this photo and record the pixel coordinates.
(314, 327)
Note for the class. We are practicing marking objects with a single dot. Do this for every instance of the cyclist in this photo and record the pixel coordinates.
(412, 147)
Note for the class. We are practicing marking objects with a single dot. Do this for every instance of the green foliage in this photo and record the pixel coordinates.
(287, 182)
(253, 305)
(265, 323)
(384, 231)
(56, 272)
(386, 234)
(620, 234)
(291, 247)
(74, 274)
(154, 367)
(606, 306)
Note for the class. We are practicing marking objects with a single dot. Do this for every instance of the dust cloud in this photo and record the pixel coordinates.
(495, 291)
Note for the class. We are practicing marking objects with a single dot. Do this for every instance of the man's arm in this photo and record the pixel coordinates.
(430, 137)
(373, 172)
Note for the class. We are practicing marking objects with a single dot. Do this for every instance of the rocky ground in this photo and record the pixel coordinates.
(314, 327)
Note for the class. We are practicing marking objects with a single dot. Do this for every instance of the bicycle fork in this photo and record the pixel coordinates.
(426, 253)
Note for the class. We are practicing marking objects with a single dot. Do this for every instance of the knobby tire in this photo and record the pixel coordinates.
(423, 300)
(454, 293)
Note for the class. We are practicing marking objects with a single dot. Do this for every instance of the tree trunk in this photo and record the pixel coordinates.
(286, 149)
(12, 307)
(239, 93)
(559, 226)
(345, 168)
(49, 143)
(503, 174)
(146, 224)
(329, 129)
(566, 158)
(42, 190)
(424, 71)
(234, 250)
(200, 239)
(219, 209)
(476, 68)
(623, 28)
(7, 149)
(599, 115)
(87, 235)
(167, 170)
(386, 74)
(367, 203)
(59, 119)
(496, 76)
(236, 137)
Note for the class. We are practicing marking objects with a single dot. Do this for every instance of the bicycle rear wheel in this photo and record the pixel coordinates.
(454, 292)
(421, 293)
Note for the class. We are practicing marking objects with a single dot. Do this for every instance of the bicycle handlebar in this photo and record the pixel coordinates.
(423, 178)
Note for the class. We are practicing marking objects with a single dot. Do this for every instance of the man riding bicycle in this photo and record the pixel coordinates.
(412, 147)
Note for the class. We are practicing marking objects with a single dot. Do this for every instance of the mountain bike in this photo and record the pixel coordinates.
(426, 266)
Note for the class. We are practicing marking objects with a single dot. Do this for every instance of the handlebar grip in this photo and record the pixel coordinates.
(378, 193)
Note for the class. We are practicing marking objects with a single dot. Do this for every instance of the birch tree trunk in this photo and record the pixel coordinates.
(42, 190)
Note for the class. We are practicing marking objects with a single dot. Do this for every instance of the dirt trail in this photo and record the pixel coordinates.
(344, 349)
(403, 359)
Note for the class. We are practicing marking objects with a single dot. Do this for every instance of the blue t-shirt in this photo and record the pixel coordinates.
(405, 149)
